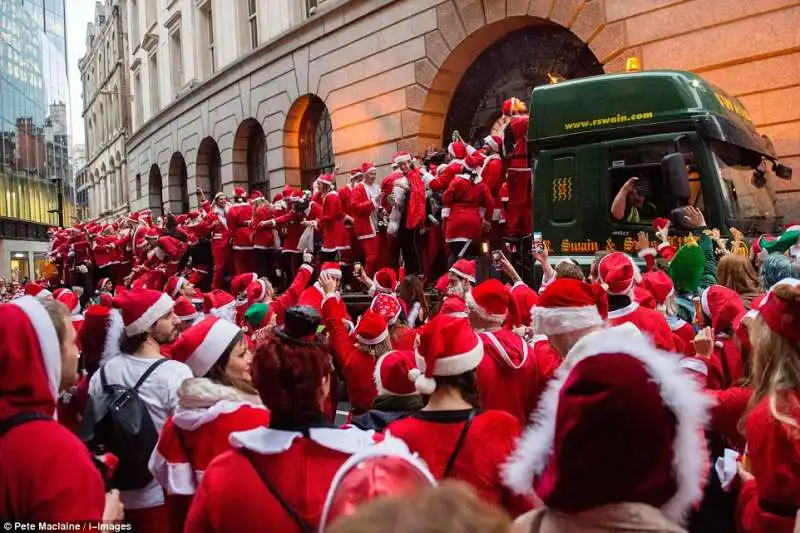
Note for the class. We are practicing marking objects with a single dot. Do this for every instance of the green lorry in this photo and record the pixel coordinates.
(685, 140)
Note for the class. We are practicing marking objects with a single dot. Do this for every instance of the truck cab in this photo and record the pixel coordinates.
(685, 140)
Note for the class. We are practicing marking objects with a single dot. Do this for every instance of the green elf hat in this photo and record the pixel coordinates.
(686, 267)
(783, 243)
(257, 315)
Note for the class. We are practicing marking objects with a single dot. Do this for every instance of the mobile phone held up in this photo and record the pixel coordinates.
(497, 258)
(537, 243)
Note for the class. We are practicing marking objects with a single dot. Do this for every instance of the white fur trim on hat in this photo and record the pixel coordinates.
(680, 393)
(47, 337)
(227, 311)
(453, 365)
(403, 158)
(217, 339)
(161, 307)
(462, 275)
(704, 302)
(336, 272)
(557, 320)
(114, 332)
(476, 309)
(376, 376)
(178, 286)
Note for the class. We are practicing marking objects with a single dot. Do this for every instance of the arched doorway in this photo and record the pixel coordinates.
(178, 188)
(250, 156)
(315, 142)
(502, 71)
(209, 178)
(155, 188)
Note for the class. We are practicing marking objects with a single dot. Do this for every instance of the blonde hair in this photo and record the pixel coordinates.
(59, 315)
(452, 506)
(377, 350)
(737, 273)
(776, 364)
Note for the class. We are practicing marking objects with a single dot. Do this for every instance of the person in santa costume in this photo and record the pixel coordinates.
(217, 215)
(266, 241)
(239, 218)
(278, 476)
(355, 355)
(71, 301)
(397, 397)
(493, 175)
(454, 437)
(386, 470)
(770, 496)
(262, 291)
(219, 400)
(510, 376)
(186, 313)
(660, 285)
(407, 216)
(644, 474)
(364, 204)
(46, 473)
(401, 336)
(518, 173)
(313, 295)
(618, 273)
(300, 214)
(37, 291)
(149, 322)
(722, 311)
(331, 223)
(220, 304)
(471, 208)
(239, 285)
(384, 280)
(461, 277)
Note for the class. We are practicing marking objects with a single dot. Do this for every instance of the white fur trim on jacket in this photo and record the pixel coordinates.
(476, 309)
(556, 320)
(227, 311)
(680, 394)
(269, 441)
(623, 311)
(389, 447)
(47, 337)
(174, 478)
(160, 308)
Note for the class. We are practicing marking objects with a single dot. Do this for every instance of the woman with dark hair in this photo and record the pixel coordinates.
(451, 433)
(278, 476)
(412, 294)
(219, 400)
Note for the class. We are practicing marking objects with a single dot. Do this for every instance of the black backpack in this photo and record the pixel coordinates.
(118, 422)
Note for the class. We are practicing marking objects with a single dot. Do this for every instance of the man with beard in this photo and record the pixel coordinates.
(461, 278)
(149, 322)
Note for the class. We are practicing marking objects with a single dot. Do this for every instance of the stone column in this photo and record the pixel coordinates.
(123, 169)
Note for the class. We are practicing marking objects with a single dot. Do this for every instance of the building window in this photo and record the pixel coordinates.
(138, 184)
(138, 98)
(316, 145)
(134, 23)
(176, 60)
(207, 40)
(252, 23)
(155, 97)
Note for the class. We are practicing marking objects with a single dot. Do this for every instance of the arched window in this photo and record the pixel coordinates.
(208, 167)
(316, 144)
(155, 187)
(249, 156)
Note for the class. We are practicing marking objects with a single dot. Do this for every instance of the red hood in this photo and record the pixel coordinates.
(30, 359)
(509, 350)
(723, 305)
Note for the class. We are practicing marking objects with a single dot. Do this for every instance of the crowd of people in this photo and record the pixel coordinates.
(177, 395)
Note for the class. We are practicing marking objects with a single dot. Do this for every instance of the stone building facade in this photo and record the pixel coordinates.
(356, 80)
(106, 111)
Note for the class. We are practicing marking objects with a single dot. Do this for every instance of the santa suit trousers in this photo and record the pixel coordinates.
(371, 248)
(219, 252)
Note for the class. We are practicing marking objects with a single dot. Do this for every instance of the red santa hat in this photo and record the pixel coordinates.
(457, 150)
(513, 106)
(618, 380)
(386, 469)
(70, 301)
(569, 305)
(239, 192)
(618, 272)
(367, 167)
(473, 161)
(454, 306)
(723, 305)
(331, 268)
(173, 285)
(643, 297)
(256, 195)
(100, 335)
(256, 291)
(490, 301)
(105, 299)
(388, 306)
(385, 280)
(185, 310)
(326, 179)
(441, 284)
(151, 233)
(494, 142)
(464, 269)
(241, 282)
(447, 347)
(219, 303)
(31, 360)
(37, 291)
(401, 157)
(141, 308)
(59, 291)
(102, 283)
(659, 284)
(391, 373)
(355, 173)
(780, 309)
(200, 346)
(660, 223)
(371, 328)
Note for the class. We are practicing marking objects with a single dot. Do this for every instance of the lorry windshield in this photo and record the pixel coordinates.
(735, 168)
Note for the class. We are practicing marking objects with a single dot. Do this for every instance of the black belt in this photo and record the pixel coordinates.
(786, 510)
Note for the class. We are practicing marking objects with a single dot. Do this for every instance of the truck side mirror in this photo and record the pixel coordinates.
(675, 175)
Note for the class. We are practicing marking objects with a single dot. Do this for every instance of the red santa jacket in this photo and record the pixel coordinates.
(725, 367)
(195, 435)
(290, 227)
(218, 218)
(489, 441)
(312, 296)
(232, 496)
(650, 322)
(517, 133)
(511, 377)
(279, 305)
(102, 248)
(769, 503)
(470, 204)
(362, 209)
(331, 224)
(265, 236)
(493, 175)
(357, 367)
(239, 218)
(729, 407)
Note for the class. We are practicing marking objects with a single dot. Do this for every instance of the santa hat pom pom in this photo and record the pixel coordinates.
(424, 385)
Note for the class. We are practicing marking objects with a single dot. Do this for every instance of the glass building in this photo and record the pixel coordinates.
(34, 140)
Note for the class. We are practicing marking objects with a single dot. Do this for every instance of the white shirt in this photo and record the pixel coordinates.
(159, 393)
